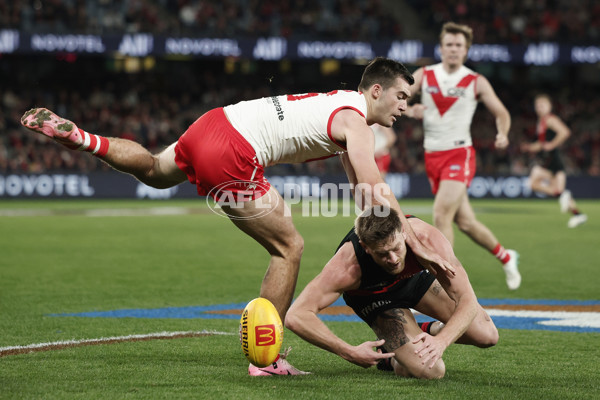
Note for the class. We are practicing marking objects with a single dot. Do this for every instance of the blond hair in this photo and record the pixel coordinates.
(454, 28)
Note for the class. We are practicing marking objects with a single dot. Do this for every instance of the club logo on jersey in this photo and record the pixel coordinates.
(456, 92)
(265, 335)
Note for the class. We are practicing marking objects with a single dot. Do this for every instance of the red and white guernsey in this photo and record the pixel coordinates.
(450, 101)
(293, 128)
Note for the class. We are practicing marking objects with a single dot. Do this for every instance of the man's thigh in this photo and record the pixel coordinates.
(449, 197)
(267, 219)
(438, 305)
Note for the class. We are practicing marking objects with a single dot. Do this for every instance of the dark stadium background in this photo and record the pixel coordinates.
(103, 64)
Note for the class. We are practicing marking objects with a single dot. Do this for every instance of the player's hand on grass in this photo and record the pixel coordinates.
(366, 357)
(429, 349)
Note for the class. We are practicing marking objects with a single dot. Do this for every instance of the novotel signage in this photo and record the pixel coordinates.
(277, 48)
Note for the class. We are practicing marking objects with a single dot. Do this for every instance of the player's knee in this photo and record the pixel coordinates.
(488, 338)
(465, 224)
(441, 219)
(294, 246)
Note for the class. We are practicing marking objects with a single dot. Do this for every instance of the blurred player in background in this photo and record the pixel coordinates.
(378, 275)
(385, 137)
(449, 94)
(227, 149)
(548, 176)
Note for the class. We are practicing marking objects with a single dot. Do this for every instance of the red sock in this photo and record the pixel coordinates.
(97, 145)
(426, 326)
(501, 253)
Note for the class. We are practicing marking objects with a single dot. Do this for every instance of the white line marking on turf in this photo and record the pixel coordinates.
(114, 339)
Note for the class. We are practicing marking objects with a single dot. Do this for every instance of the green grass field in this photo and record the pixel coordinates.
(68, 257)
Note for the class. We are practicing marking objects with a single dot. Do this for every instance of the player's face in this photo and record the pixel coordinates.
(542, 106)
(390, 255)
(392, 102)
(453, 49)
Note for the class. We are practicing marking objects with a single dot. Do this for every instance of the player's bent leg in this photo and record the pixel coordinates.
(437, 304)
(539, 180)
(276, 232)
(468, 223)
(398, 327)
(159, 171)
(447, 200)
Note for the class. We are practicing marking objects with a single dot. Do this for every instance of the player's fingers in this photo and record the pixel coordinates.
(419, 337)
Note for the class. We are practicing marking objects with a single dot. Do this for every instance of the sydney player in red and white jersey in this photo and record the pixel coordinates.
(449, 95)
(228, 148)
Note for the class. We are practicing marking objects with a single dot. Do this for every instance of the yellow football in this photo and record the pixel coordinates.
(261, 332)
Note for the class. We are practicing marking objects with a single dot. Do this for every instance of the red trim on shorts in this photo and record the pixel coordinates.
(331, 121)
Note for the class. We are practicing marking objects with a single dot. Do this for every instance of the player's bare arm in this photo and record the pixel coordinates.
(458, 289)
(562, 132)
(416, 110)
(487, 96)
(360, 165)
(340, 274)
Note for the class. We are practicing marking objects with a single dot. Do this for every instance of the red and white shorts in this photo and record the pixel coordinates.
(214, 156)
(455, 165)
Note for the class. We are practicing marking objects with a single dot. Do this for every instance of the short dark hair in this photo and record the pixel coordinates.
(384, 71)
(377, 224)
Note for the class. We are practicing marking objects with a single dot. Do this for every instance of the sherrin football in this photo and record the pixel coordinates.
(261, 332)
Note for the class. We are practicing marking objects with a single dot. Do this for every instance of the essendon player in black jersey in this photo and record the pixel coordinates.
(381, 279)
(548, 175)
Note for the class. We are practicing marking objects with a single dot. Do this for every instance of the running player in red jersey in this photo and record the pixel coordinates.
(449, 95)
(381, 280)
(548, 175)
(227, 149)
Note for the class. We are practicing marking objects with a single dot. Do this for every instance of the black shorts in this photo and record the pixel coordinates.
(551, 161)
(406, 294)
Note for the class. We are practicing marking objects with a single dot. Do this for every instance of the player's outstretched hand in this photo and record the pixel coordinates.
(366, 357)
(430, 349)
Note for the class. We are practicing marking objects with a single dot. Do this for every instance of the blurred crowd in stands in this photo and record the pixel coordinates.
(155, 106)
(518, 21)
(333, 19)
(514, 21)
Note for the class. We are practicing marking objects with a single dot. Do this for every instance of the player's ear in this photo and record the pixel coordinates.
(404, 235)
(364, 246)
(376, 90)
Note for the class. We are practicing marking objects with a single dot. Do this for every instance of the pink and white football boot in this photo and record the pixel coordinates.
(44, 121)
(280, 367)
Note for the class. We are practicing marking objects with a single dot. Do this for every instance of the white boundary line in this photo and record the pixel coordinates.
(10, 350)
